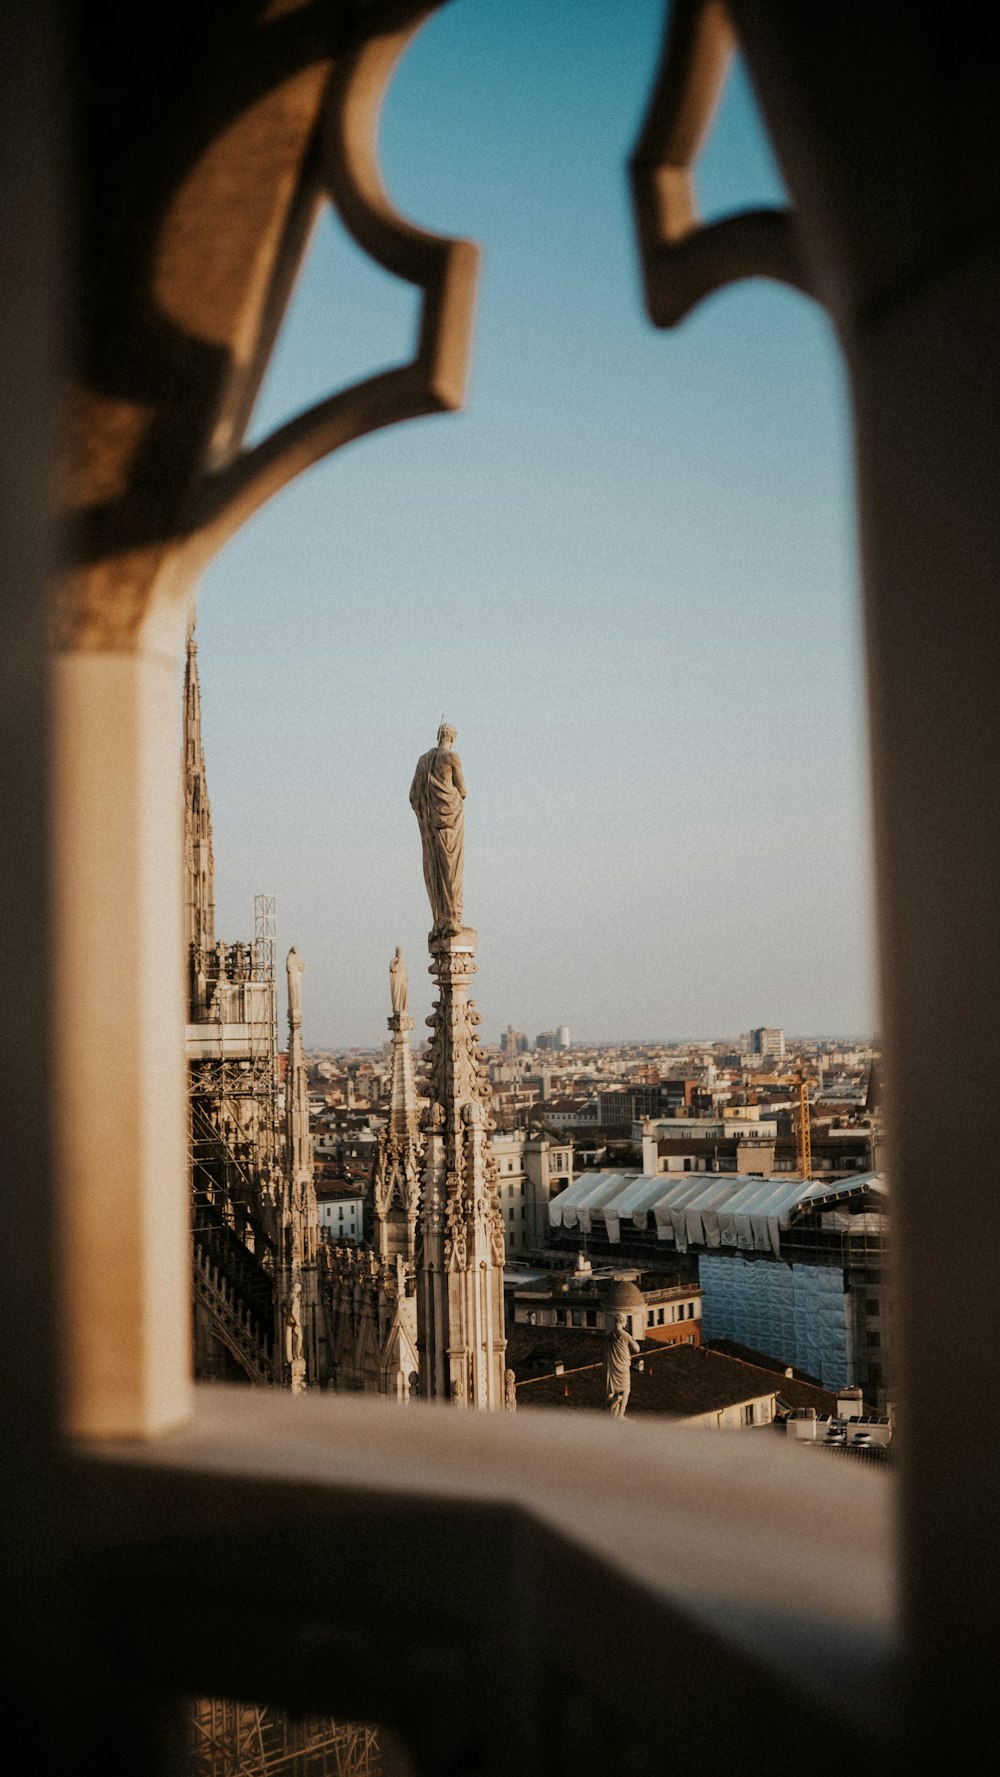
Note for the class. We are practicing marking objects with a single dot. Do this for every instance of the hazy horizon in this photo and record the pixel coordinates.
(855, 1039)
(627, 573)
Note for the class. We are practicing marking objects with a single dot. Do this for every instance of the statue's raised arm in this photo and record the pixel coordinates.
(437, 797)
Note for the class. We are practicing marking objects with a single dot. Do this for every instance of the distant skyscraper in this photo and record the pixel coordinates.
(767, 1043)
(562, 1037)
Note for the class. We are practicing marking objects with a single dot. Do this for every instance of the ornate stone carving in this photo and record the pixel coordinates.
(382, 1180)
(157, 475)
(412, 1183)
(456, 1230)
(498, 1238)
(683, 259)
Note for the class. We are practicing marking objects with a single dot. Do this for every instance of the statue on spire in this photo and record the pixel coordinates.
(437, 797)
(399, 982)
(460, 1236)
(295, 969)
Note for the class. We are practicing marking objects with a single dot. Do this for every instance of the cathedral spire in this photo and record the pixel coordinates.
(298, 1141)
(395, 1200)
(296, 1282)
(460, 1311)
(300, 1191)
(199, 864)
(404, 1110)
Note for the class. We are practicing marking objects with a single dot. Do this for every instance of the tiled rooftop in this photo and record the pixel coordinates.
(681, 1381)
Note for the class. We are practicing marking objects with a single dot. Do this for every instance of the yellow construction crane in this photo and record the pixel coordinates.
(803, 1138)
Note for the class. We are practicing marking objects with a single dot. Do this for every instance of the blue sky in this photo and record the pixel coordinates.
(626, 572)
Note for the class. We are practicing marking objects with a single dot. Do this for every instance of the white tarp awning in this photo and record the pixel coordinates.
(592, 1190)
(703, 1209)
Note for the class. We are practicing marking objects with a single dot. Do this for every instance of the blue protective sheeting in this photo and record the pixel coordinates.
(799, 1313)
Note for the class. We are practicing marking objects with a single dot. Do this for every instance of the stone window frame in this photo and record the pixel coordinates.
(913, 307)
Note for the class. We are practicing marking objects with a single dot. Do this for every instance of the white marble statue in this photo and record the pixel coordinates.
(293, 1336)
(437, 797)
(618, 1365)
(295, 969)
(398, 982)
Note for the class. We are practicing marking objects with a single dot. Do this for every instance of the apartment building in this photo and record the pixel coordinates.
(531, 1168)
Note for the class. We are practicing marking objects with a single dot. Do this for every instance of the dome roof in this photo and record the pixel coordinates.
(624, 1296)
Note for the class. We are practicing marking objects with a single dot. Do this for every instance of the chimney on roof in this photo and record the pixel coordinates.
(850, 1403)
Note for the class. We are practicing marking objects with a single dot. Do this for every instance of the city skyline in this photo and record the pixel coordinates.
(800, 1039)
(626, 573)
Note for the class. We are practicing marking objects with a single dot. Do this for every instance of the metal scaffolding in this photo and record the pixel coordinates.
(233, 1078)
(231, 1739)
(234, 1140)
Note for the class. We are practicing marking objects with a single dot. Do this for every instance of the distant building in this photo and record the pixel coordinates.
(620, 1107)
(766, 1044)
(531, 1169)
(852, 1426)
(793, 1267)
(758, 1146)
(699, 1386)
(570, 1113)
(562, 1037)
(666, 1312)
(342, 1212)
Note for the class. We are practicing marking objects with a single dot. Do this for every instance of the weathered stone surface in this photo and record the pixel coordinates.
(461, 1243)
(437, 797)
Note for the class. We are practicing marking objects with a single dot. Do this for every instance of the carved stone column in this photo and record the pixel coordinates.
(461, 1258)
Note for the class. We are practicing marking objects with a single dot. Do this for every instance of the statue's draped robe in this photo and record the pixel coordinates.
(437, 798)
(398, 983)
(618, 1367)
